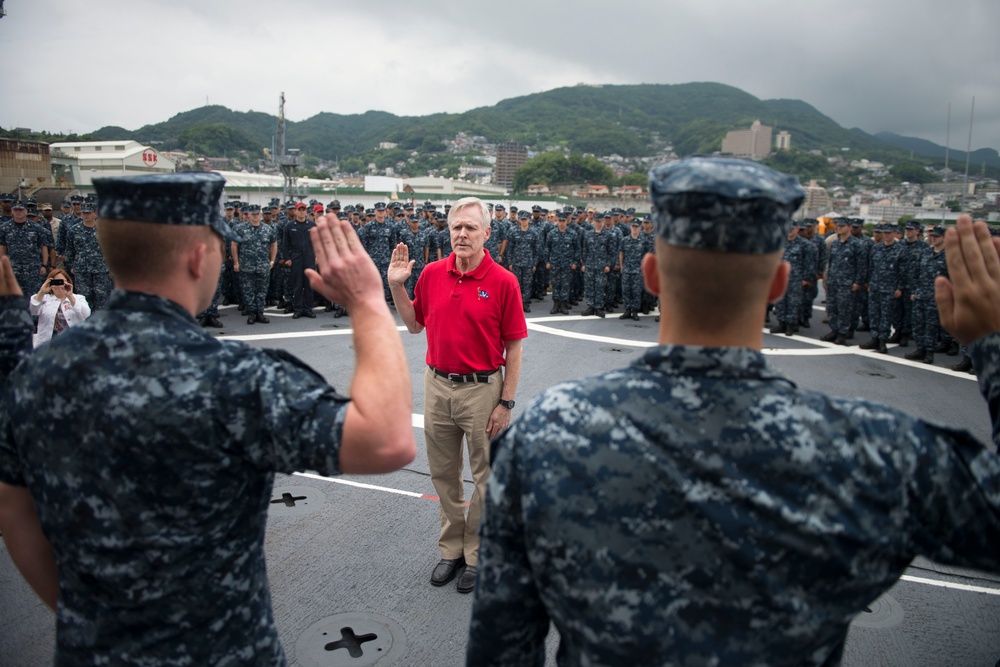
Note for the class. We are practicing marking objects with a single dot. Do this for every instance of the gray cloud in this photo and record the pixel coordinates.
(892, 65)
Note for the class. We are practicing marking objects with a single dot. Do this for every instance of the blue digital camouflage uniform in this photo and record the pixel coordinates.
(846, 270)
(860, 306)
(378, 239)
(522, 251)
(697, 508)
(818, 243)
(909, 264)
(926, 322)
(789, 309)
(254, 253)
(418, 243)
(598, 253)
(90, 274)
(152, 475)
(632, 251)
(562, 251)
(23, 242)
(883, 281)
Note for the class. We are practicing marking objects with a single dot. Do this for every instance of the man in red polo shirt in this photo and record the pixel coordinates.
(471, 309)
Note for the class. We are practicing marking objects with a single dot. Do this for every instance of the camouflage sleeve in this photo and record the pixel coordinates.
(955, 483)
(300, 416)
(985, 355)
(15, 343)
(509, 622)
(15, 332)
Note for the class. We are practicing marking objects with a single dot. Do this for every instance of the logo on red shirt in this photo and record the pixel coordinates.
(483, 294)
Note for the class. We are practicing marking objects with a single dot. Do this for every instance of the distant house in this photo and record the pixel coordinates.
(593, 191)
(538, 189)
(630, 191)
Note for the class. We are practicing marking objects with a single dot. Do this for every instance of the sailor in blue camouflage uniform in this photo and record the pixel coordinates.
(789, 309)
(845, 277)
(884, 289)
(562, 259)
(6, 200)
(379, 238)
(90, 273)
(696, 507)
(631, 251)
(860, 321)
(149, 447)
(24, 242)
(522, 253)
(598, 255)
(418, 244)
(926, 324)
(74, 217)
(817, 260)
(253, 259)
(911, 249)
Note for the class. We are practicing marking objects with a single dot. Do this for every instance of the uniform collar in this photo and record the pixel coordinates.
(147, 303)
(716, 362)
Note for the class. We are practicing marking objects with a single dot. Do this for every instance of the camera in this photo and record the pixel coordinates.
(56, 281)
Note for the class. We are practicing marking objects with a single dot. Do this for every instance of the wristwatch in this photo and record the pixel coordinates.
(507, 404)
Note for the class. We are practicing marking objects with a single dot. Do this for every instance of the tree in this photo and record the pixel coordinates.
(553, 168)
(912, 172)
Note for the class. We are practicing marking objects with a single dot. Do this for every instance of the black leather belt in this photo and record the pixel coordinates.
(478, 376)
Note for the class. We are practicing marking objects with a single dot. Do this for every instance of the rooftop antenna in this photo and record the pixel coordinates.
(288, 163)
(968, 152)
(947, 143)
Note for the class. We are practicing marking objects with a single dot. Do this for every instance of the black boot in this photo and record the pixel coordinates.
(882, 349)
(779, 328)
(251, 318)
(263, 320)
(964, 366)
(599, 313)
(589, 311)
(627, 315)
(555, 308)
(928, 357)
(841, 339)
(872, 344)
(635, 316)
(564, 307)
(895, 338)
(918, 354)
(791, 329)
(952, 350)
(527, 307)
(829, 337)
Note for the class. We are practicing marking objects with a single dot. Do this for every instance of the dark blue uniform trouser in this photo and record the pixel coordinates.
(302, 294)
(840, 308)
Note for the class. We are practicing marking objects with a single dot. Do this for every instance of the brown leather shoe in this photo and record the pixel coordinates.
(446, 570)
(467, 580)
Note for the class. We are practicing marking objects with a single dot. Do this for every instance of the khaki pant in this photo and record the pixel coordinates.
(454, 410)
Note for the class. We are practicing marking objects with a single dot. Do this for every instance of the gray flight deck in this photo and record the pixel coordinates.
(350, 559)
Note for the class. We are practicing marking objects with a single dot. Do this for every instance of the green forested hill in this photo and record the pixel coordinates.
(627, 120)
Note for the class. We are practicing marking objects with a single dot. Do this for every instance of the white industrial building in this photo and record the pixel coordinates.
(79, 162)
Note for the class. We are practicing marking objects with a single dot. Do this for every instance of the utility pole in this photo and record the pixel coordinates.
(288, 159)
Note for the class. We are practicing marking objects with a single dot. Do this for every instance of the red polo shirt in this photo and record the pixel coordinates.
(469, 317)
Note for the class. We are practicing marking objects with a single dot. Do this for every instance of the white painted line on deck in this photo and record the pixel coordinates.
(362, 485)
(951, 584)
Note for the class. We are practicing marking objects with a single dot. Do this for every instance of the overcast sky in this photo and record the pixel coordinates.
(890, 65)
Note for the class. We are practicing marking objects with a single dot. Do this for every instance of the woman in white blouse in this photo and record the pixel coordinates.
(56, 307)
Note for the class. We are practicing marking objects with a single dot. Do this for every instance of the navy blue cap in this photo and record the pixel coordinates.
(88, 207)
(912, 224)
(523, 213)
(499, 207)
(723, 204)
(191, 198)
(937, 230)
(379, 206)
(19, 204)
(253, 208)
